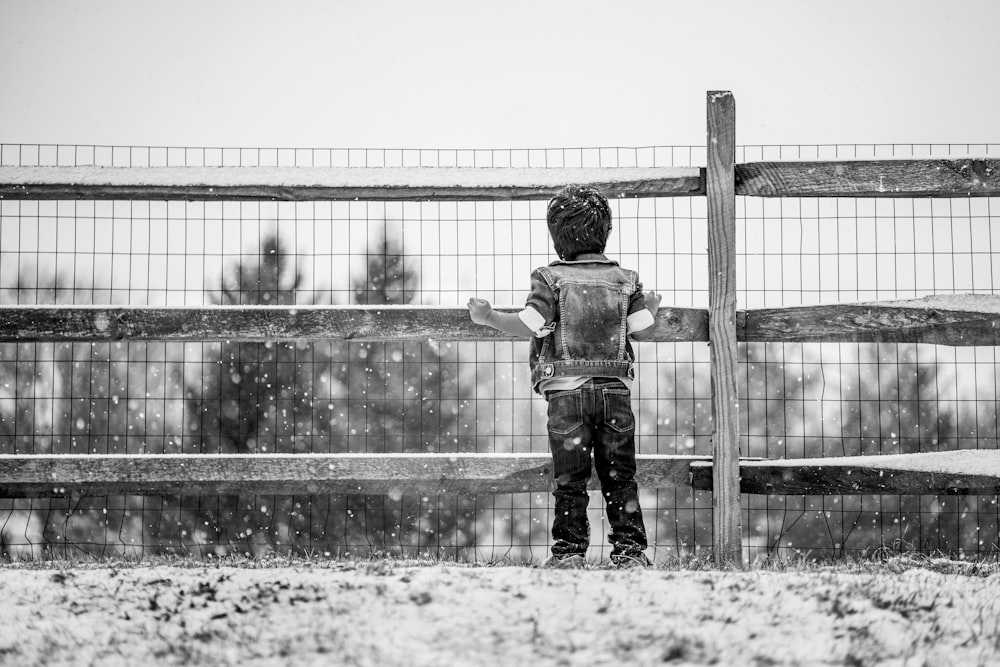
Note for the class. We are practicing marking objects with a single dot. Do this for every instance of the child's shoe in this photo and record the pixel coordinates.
(565, 562)
(629, 561)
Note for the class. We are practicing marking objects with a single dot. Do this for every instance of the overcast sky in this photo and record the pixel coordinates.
(511, 74)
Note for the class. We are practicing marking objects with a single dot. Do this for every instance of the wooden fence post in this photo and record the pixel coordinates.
(720, 188)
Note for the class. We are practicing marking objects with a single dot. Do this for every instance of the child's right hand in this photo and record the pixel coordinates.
(653, 301)
(479, 310)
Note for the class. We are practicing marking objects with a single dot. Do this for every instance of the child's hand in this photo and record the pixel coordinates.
(652, 302)
(479, 310)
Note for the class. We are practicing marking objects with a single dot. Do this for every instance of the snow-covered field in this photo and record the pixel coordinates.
(902, 612)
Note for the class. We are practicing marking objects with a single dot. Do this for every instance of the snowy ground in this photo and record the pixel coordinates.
(407, 613)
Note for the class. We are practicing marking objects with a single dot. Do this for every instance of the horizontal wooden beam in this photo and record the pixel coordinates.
(870, 178)
(958, 320)
(339, 183)
(962, 472)
(301, 474)
(257, 323)
(968, 177)
(54, 476)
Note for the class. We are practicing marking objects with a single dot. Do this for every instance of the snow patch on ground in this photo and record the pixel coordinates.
(386, 615)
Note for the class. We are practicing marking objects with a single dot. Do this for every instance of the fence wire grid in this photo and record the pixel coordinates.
(797, 400)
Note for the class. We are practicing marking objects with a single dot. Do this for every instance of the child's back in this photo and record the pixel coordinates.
(589, 301)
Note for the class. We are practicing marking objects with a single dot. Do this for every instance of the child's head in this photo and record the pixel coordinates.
(579, 221)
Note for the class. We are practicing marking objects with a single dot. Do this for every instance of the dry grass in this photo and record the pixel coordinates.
(882, 610)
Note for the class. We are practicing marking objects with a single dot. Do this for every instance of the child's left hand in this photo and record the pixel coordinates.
(479, 310)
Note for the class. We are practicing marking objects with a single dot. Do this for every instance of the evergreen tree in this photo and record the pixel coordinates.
(395, 404)
(375, 397)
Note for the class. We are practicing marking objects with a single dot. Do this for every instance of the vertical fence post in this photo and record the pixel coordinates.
(720, 189)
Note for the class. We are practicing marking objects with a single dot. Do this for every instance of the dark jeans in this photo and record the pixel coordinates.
(595, 417)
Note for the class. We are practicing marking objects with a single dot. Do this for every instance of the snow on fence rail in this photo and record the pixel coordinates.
(956, 321)
(339, 183)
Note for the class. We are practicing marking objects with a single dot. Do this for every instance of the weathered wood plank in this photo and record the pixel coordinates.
(301, 474)
(959, 472)
(720, 193)
(958, 320)
(339, 183)
(845, 178)
(870, 178)
(963, 472)
(256, 323)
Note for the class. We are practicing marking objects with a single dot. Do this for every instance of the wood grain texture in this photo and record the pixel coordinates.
(302, 474)
(260, 323)
(968, 322)
(842, 178)
(965, 322)
(966, 472)
(338, 184)
(721, 201)
(870, 178)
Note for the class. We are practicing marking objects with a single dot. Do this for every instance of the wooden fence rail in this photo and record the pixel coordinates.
(961, 472)
(302, 474)
(70, 475)
(856, 178)
(339, 183)
(870, 178)
(932, 320)
(970, 320)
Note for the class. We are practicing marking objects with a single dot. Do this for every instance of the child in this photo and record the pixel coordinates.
(579, 315)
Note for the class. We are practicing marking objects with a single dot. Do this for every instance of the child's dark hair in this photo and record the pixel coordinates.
(579, 220)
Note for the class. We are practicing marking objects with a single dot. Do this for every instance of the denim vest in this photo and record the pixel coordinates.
(587, 335)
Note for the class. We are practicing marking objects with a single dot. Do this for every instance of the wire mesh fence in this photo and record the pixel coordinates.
(452, 396)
